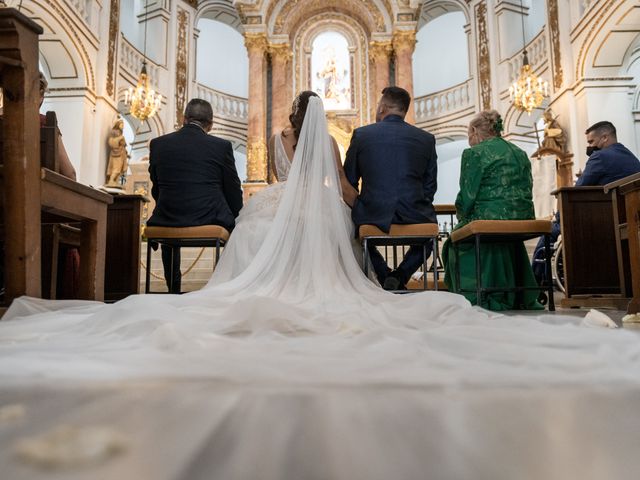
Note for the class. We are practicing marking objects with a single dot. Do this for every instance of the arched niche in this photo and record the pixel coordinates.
(62, 52)
(606, 46)
(357, 46)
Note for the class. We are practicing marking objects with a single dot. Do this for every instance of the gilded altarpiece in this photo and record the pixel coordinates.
(331, 58)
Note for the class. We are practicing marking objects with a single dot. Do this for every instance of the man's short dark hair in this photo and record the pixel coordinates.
(199, 111)
(397, 97)
(603, 128)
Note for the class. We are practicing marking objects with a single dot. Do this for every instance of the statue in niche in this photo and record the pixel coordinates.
(554, 137)
(554, 142)
(118, 156)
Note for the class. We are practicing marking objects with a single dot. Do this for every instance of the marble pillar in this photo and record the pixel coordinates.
(380, 55)
(403, 45)
(280, 101)
(256, 130)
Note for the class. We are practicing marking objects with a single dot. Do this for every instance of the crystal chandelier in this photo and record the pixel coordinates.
(528, 91)
(144, 102)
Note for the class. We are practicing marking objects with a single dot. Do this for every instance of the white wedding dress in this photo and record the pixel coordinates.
(289, 305)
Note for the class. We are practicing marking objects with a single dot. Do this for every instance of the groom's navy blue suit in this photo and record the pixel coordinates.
(397, 163)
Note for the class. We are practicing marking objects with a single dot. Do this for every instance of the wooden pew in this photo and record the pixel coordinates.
(625, 196)
(592, 276)
(32, 193)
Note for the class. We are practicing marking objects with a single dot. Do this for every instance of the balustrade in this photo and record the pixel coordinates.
(224, 105)
(444, 102)
(536, 51)
(131, 60)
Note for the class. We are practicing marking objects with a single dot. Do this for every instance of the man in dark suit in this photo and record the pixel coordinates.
(195, 181)
(397, 163)
(608, 160)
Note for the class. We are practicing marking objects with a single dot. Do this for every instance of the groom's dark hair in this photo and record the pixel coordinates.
(397, 97)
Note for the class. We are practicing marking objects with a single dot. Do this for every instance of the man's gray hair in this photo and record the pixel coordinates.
(199, 111)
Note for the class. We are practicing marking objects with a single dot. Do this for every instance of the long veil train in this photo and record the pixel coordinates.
(303, 313)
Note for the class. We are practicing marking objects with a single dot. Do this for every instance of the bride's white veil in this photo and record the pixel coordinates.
(307, 252)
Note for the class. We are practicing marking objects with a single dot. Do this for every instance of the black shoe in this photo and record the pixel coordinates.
(393, 282)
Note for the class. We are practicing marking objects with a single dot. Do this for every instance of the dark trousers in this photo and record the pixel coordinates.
(410, 263)
(171, 255)
(538, 265)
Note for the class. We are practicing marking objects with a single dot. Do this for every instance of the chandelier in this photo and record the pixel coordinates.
(528, 91)
(144, 102)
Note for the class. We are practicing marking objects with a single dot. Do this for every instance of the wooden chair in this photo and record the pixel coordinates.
(503, 231)
(199, 236)
(402, 235)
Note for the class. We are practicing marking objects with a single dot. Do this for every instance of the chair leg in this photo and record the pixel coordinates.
(171, 272)
(217, 250)
(457, 257)
(148, 273)
(365, 257)
(478, 273)
(547, 253)
(435, 254)
(424, 266)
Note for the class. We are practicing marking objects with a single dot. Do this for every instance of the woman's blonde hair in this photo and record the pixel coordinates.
(487, 123)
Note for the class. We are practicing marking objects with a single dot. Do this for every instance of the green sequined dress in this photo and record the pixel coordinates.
(495, 184)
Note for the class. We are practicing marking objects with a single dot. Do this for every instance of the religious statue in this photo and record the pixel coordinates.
(118, 156)
(554, 137)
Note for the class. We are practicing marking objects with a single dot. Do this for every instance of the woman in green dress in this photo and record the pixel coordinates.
(495, 184)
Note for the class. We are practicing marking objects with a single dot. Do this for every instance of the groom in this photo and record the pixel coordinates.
(397, 163)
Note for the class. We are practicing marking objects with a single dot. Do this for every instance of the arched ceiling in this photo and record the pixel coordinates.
(281, 15)
(222, 11)
(286, 14)
(434, 9)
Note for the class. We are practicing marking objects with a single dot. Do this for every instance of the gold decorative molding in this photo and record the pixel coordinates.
(380, 50)
(281, 51)
(193, 3)
(256, 160)
(404, 41)
(365, 11)
(256, 41)
(484, 64)
(181, 66)
(554, 30)
(114, 29)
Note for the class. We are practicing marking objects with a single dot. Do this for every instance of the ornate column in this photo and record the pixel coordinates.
(280, 101)
(256, 44)
(483, 58)
(380, 55)
(404, 42)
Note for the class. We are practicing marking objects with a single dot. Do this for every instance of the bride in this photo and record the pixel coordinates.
(300, 311)
(258, 213)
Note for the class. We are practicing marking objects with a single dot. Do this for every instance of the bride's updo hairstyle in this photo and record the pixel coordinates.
(487, 124)
(298, 111)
